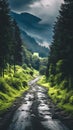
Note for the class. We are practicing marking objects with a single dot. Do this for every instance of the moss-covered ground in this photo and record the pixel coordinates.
(60, 95)
(13, 85)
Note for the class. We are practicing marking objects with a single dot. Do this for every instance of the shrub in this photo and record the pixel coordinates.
(58, 78)
(24, 83)
(59, 66)
(51, 80)
(42, 70)
(19, 75)
(2, 97)
(16, 75)
(65, 99)
(64, 84)
(16, 83)
(51, 69)
(31, 73)
(3, 85)
(24, 66)
(71, 100)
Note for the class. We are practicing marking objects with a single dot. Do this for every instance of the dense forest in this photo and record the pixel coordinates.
(60, 65)
(59, 73)
(13, 50)
(10, 40)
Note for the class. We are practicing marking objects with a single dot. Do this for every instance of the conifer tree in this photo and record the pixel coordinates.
(17, 45)
(5, 36)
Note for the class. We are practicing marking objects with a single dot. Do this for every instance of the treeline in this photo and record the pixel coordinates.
(10, 40)
(33, 60)
(60, 61)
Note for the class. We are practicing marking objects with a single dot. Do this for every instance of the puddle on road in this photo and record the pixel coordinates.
(44, 112)
(22, 119)
(54, 125)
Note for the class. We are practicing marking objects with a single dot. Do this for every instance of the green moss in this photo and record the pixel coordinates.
(43, 82)
(68, 107)
(13, 85)
(71, 100)
(59, 94)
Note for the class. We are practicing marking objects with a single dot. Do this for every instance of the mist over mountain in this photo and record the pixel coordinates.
(33, 33)
(33, 46)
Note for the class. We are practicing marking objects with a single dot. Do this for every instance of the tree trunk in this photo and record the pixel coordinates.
(14, 65)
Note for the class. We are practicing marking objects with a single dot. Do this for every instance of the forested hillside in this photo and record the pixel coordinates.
(29, 25)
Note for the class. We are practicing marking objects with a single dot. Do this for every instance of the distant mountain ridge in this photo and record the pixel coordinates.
(26, 16)
(29, 24)
(33, 46)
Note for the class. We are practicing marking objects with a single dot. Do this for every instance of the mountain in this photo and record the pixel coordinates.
(31, 32)
(25, 19)
(33, 46)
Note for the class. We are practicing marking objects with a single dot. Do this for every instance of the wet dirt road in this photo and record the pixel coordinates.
(36, 112)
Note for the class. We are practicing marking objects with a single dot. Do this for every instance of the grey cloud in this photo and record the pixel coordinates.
(47, 10)
(20, 4)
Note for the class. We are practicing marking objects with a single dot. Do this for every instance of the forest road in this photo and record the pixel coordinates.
(36, 112)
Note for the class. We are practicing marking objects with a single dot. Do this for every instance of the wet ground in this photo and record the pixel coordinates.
(36, 112)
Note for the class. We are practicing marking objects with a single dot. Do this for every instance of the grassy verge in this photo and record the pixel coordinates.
(61, 96)
(13, 85)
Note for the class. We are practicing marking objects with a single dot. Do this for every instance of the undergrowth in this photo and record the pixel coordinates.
(60, 95)
(13, 85)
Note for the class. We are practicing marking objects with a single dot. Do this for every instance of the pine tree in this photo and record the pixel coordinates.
(5, 37)
(17, 45)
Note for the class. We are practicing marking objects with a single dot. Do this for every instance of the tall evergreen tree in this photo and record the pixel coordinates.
(5, 37)
(17, 45)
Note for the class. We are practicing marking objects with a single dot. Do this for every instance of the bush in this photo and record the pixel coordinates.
(24, 83)
(31, 73)
(19, 75)
(65, 99)
(59, 66)
(42, 70)
(58, 78)
(16, 75)
(71, 100)
(51, 80)
(16, 83)
(24, 66)
(51, 69)
(64, 84)
(3, 85)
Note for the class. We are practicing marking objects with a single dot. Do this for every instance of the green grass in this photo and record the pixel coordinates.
(60, 95)
(13, 85)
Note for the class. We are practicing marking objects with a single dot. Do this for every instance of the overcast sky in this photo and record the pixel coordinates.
(47, 10)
